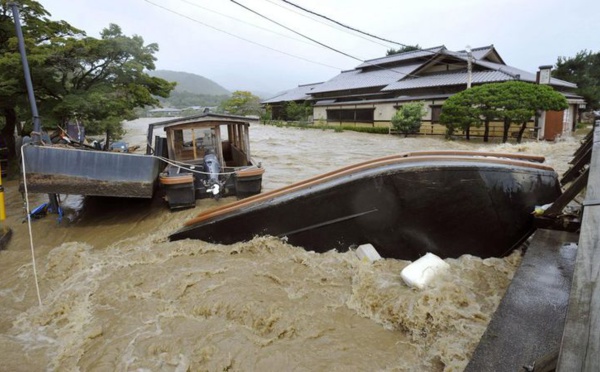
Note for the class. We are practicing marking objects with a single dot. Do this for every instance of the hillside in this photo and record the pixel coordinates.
(192, 83)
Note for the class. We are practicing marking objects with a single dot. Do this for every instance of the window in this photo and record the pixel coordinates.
(351, 115)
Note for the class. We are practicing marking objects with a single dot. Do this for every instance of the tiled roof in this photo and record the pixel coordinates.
(523, 75)
(394, 58)
(445, 79)
(397, 72)
(297, 94)
(355, 79)
(477, 53)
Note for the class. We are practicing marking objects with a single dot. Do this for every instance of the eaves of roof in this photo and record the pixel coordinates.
(330, 102)
(299, 93)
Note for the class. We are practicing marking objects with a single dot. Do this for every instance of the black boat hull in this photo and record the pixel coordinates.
(449, 206)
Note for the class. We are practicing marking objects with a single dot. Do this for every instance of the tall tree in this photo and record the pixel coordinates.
(102, 81)
(41, 36)
(242, 103)
(583, 70)
(99, 81)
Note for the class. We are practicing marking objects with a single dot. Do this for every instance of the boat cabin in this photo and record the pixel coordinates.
(229, 141)
(208, 156)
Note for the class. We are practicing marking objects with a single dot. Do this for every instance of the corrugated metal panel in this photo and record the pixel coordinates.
(356, 79)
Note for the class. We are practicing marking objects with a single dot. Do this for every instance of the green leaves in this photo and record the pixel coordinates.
(407, 119)
(99, 81)
(297, 111)
(510, 102)
(583, 70)
(242, 103)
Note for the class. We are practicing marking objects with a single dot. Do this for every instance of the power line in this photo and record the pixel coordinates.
(279, 51)
(296, 32)
(343, 25)
(239, 37)
(242, 21)
(325, 23)
(433, 53)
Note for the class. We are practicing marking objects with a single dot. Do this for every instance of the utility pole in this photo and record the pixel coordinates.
(37, 127)
(469, 67)
(35, 136)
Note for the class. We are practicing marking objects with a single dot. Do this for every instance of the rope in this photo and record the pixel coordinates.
(37, 285)
(180, 164)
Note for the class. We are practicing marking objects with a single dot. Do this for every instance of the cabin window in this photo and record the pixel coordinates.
(192, 144)
(351, 115)
(436, 112)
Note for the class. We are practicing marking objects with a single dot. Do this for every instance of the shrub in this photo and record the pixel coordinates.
(407, 119)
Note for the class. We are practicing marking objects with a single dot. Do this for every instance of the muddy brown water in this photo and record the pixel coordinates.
(116, 296)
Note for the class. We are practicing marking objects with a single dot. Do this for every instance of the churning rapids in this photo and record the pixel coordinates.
(117, 296)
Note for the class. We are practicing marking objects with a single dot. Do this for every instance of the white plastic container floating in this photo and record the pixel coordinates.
(367, 253)
(419, 273)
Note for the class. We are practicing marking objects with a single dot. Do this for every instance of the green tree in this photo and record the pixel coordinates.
(461, 111)
(407, 119)
(406, 48)
(185, 99)
(510, 102)
(99, 81)
(267, 114)
(583, 70)
(242, 103)
(297, 111)
(518, 101)
(41, 36)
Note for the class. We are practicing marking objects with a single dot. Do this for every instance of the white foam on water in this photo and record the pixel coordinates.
(118, 296)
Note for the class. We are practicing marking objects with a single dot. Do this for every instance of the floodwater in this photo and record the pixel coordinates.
(116, 296)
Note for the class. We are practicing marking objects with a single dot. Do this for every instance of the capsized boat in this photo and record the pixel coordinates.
(209, 156)
(446, 203)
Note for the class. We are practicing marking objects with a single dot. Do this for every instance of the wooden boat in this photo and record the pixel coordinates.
(447, 203)
(209, 156)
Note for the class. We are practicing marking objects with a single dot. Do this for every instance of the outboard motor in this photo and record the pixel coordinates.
(212, 168)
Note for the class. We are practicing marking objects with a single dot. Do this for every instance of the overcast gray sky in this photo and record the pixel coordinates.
(242, 51)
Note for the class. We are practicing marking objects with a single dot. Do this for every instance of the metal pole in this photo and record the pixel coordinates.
(469, 67)
(36, 118)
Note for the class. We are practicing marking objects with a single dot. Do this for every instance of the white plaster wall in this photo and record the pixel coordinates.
(320, 113)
